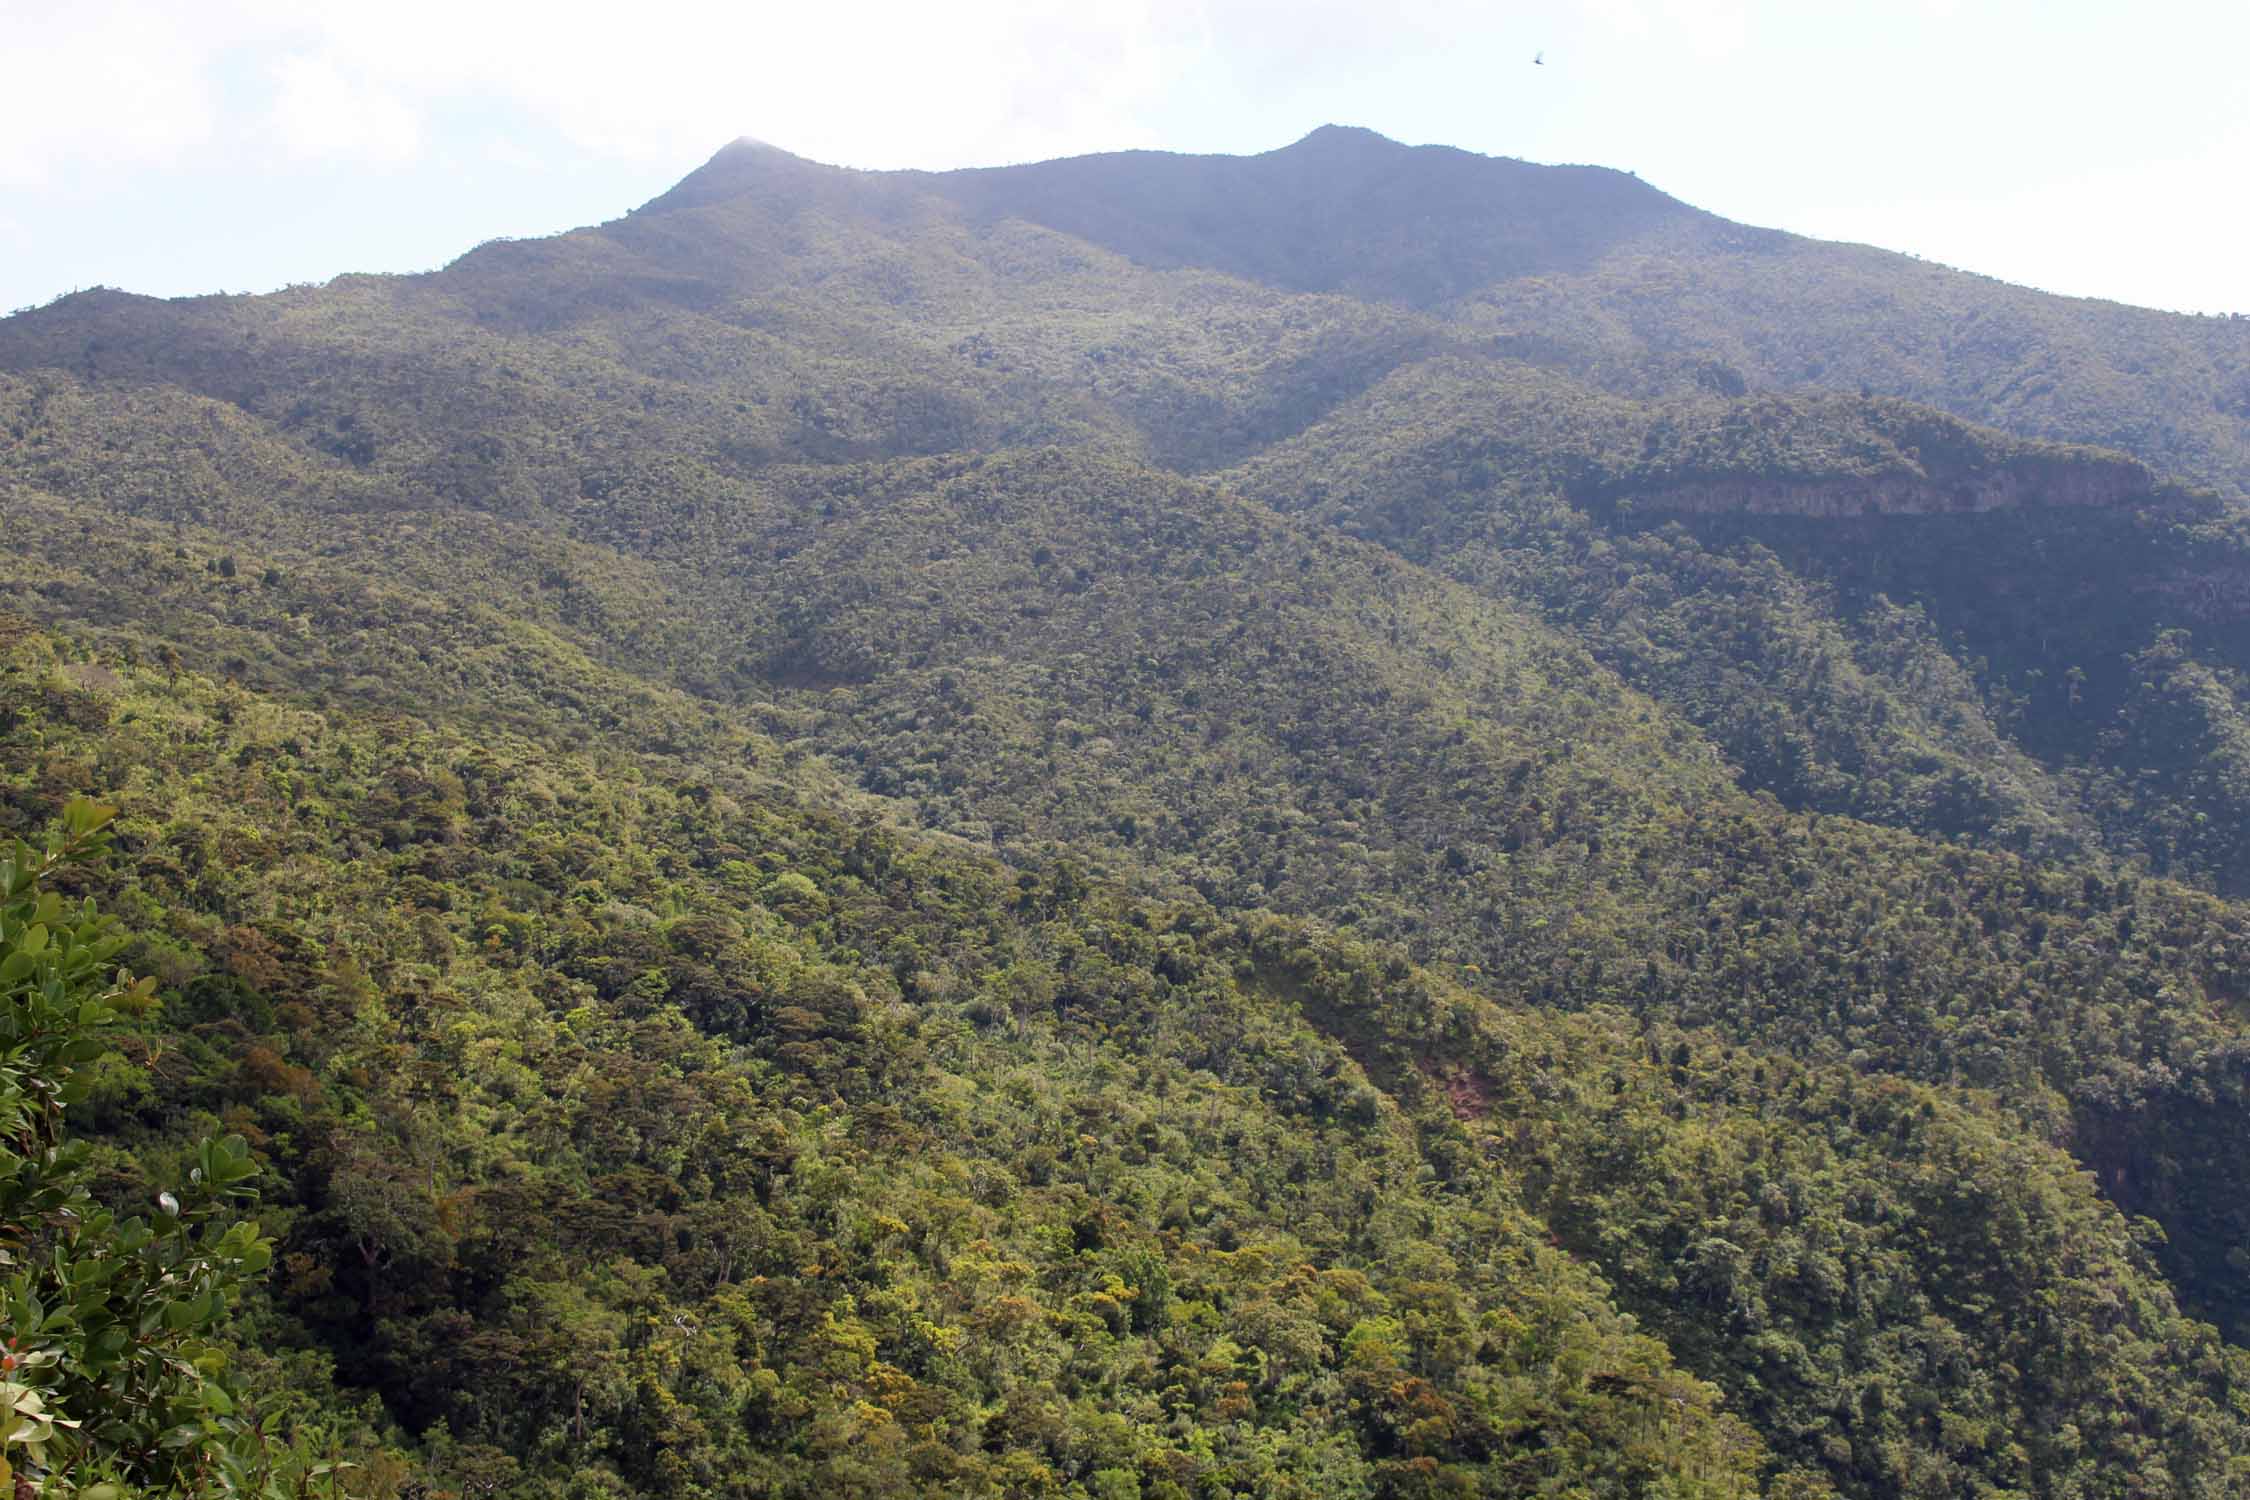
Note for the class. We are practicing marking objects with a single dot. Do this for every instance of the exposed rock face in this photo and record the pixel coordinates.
(2019, 483)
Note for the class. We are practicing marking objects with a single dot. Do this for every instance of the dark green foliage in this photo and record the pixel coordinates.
(1825, 1245)
(1844, 594)
(110, 1371)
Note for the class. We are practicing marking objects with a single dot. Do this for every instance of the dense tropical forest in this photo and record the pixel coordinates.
(1357, 822)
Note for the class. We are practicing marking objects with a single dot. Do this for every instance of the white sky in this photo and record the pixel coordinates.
(174, 146)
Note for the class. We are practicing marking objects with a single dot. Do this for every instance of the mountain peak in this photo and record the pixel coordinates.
(743, 165)
(1353, 138)
(1342, 209)
(750, 147)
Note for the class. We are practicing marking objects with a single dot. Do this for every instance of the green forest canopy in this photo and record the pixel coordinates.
(881, 835)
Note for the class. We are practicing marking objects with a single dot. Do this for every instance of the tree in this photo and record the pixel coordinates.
(109, 1379)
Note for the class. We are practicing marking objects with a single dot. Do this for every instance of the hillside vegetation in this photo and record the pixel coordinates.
(1042, 833)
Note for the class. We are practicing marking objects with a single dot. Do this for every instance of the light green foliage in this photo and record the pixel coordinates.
(953, 1178)
(719, 1177)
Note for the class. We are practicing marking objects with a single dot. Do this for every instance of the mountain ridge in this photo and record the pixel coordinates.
(2037, 365)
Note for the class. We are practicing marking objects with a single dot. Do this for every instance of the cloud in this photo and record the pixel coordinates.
(668, 81)
(1765, 109)
(322, 114)
(1679, 29)
(874, 83)
(95, 87)
(515, 157)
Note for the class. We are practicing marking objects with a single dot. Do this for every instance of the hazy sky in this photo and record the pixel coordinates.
(165, 146)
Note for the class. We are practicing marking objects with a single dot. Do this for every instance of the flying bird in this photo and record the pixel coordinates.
(1539, 59)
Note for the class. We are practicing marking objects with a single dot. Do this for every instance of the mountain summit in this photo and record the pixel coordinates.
(1581, 268)
(1342, 210)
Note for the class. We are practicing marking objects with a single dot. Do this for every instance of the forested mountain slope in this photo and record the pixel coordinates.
(398, 957)
(1011, 833)
(1873, 609)
(774, 311)
(1600, 274)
